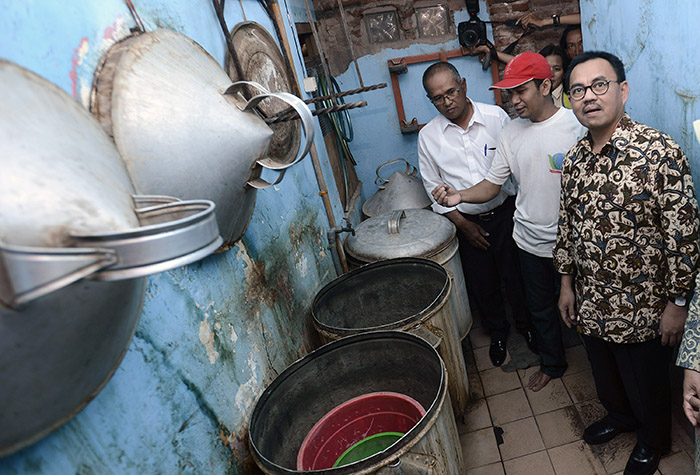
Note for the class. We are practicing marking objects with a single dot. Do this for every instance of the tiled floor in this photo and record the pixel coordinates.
(540, 433)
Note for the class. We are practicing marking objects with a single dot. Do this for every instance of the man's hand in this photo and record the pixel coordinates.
(474, 50)
(567, 301)
(672, 322)
(530, 19)
(475, 234)
(446, 195)
(691, 397)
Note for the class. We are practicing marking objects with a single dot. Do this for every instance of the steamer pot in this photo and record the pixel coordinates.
(185, 130)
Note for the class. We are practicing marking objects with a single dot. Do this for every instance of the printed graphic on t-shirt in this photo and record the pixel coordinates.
(555, 162)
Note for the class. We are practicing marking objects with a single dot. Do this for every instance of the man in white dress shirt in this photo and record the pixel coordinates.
(457, 147)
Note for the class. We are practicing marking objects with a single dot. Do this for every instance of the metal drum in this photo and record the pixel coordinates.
(348, 368)
(414, 233)
(185, 130)
(68, 224)
(407, 294)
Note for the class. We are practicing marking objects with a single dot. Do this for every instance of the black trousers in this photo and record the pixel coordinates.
(485, 272)
(633, 385)
(541, 282)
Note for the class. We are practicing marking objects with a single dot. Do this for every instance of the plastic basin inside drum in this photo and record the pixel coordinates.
(352, 422)
(390, 294)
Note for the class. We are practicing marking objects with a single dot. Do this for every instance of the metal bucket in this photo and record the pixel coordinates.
(414, 233)
(347, 368)
(409, 294)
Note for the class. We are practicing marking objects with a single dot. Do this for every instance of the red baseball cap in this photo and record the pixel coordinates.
(523, 68)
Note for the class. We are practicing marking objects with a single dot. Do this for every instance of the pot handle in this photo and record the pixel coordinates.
(411, 463)
(394, 223)
(433, 335)
(381, 182)
(306, 124)
(173, 233)
(30, 272)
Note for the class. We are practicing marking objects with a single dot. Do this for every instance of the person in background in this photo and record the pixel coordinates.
(628, 237)
(457, 147)
(530, 19)
(531, 148)
(556, 58)
(689, 359)
(571, 43)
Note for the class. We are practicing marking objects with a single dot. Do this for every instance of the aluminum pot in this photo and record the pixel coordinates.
(67, 214)
(185, 130)
(347, 368)
(396, 294)
(414, 233)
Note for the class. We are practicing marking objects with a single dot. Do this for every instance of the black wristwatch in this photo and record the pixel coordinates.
(555, 20)
(680, 301)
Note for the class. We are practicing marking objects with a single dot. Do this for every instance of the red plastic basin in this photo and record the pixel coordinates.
(353, 421)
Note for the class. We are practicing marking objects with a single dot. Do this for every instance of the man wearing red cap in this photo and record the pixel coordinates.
(457, 147)
(531, 148)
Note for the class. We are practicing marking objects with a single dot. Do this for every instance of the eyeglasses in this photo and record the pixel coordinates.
(451, 94)
(599, 88)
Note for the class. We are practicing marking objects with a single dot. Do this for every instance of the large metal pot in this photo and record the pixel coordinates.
(185, 130)
(67, 212)
(396, 294)
(414, 233)
(348, 368)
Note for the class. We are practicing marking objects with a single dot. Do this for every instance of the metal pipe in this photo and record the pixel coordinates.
(346, 93)
(347, 37)
(322, 55)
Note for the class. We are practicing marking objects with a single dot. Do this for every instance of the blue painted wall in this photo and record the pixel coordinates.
(657, 42)
(213, 334)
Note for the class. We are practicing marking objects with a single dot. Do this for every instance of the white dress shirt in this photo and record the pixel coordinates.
(462, 158)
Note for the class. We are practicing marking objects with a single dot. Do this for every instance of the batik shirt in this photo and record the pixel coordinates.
(628, 230)
(689, 351)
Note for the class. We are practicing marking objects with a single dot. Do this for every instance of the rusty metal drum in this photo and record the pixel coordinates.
(409, 294)
(348, 368)
(414, 233)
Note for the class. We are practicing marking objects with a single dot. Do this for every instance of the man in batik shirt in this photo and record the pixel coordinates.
(628, 232)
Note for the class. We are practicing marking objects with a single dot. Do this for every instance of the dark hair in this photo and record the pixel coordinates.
(562, 43)
(554, 50)
(567, 30)
(438, 68)
(614, 61)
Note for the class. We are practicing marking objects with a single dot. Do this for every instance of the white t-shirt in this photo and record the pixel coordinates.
(533, 152)
(462, 158)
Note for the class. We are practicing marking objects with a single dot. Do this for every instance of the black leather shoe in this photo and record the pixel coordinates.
(642, 461)
(601, 432)
(531, 340)
(497, 352)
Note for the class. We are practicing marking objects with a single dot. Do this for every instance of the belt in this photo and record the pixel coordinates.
(489, 215)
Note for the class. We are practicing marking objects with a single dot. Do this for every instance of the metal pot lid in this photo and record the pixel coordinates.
(403, 190)
(67, 204)
(261, 61)
(404, 233)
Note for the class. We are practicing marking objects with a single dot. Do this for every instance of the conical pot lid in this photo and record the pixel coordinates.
(406, 233)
